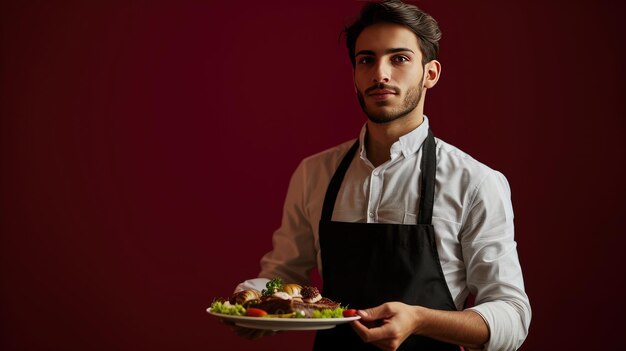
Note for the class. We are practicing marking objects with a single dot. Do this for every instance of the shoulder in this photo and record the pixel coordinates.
(460, 167)
(450, 155)
(327, 160)
(314, 172)
(311, 177)
(484, 193)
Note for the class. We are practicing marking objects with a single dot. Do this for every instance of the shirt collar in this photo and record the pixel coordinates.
(406, 145)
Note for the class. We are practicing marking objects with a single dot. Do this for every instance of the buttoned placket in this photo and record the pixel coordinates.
(376, 183)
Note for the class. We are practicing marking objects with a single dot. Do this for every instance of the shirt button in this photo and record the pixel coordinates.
(375, 173)
(371, 214)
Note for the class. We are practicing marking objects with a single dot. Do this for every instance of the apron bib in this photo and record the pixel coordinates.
(368, 264)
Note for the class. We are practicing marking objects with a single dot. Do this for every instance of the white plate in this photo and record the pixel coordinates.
(284, 323)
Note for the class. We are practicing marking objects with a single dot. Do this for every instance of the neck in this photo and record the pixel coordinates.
(380, 137)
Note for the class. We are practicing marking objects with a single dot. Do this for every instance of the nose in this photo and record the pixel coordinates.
(381, 73)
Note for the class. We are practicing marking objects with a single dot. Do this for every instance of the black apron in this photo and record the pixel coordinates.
(368, 264)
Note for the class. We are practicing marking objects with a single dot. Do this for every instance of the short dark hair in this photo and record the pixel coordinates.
(395, 11)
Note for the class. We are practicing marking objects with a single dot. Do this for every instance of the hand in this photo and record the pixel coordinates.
(248, 333)
(397, 321)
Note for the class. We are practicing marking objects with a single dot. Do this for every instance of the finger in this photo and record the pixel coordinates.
(371, 334)
(372, 324)
(383, 344)
(360, 330)
(374, 313)
(258, 334)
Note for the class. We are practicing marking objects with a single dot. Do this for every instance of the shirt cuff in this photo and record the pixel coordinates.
(506, 330)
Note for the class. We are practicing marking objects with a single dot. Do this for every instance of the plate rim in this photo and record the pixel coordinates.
(293, 321)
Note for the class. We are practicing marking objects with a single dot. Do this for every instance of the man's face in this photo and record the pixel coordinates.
(388, 72)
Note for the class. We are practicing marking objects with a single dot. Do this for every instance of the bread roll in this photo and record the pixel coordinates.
(244, 296)
(292, 289)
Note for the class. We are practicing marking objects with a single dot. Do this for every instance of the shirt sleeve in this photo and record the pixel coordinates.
(293, 255)
(494, 274)
(257, 284)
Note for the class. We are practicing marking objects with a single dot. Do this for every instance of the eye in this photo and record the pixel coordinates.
(400, 59)
(365, 60)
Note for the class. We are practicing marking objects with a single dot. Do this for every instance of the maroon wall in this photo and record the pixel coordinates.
(146, 151)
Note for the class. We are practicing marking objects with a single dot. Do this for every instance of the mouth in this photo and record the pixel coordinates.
(381, 94)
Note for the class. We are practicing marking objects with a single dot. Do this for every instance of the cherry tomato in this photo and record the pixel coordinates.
(255, 312)
(349, 313)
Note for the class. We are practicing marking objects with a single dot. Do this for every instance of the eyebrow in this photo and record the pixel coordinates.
(389, 51)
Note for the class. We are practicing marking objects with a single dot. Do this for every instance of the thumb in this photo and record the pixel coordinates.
(374, 313)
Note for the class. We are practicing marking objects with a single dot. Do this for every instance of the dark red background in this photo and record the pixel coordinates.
(146, 150)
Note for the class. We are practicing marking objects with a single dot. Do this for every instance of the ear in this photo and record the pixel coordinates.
(432, 71)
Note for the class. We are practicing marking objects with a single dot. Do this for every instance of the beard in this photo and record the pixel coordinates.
(408, 104)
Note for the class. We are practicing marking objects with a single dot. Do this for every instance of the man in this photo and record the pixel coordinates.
(401, 225)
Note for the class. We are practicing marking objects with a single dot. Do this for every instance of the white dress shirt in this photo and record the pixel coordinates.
(472, 218)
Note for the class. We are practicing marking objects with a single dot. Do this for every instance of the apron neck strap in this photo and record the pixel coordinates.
(427, 195)
(429, 171)
(335, 183)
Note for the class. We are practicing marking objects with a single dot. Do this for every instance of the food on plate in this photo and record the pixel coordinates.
(224, 307)
(293, 290)
(255, 312)
(244, 296)
(281, 300)
(349, 313)
(273, 286)
(311, 295)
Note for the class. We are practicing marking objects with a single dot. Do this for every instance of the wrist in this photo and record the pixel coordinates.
(420, 319)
